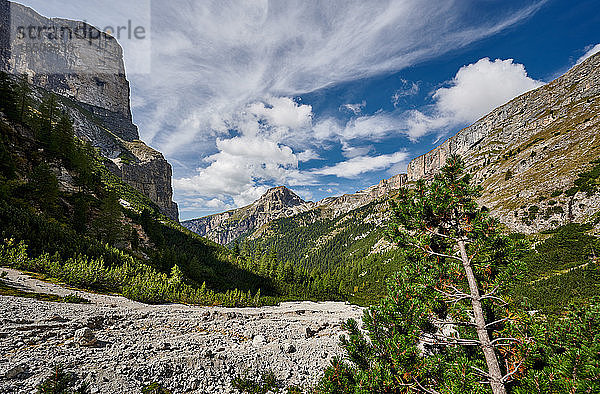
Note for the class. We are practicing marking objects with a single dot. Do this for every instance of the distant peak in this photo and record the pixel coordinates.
(281, 194)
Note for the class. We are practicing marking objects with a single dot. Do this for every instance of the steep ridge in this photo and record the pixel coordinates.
(528, 153)
(89, 76)
(225, 227)
(280, 202)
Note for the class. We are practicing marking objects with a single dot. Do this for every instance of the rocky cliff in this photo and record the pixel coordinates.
(225, 227)
(89, 77)
(70, 58)
(528, 153)
(335, 206)
(280, 202)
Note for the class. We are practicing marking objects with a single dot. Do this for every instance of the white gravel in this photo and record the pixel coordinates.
(185, 348)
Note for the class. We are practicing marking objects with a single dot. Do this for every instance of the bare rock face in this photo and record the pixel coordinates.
(280, 202)
(70, 58)
(89, 75)
(225, 227)
(151, 174)
(530, 150)
(336, 206)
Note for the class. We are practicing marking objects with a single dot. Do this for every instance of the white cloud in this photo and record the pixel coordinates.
(362, 164)
(590, 52)
(244, 52)
(372, 127)
(476, 89)
(408, 88)
(308, 155)
(243, 169)
(354, 108)
(223, 66)
(282, 112)
(353, 151)
(480, 87)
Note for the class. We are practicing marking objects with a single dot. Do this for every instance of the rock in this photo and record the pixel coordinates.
(101, 111)
(536, 144)
(289, 348)
(258, 340)
(278, 202)
(95, 322)
(68, 72)
(309, 333)
(281, 202)
(85, 337)
(15, 371)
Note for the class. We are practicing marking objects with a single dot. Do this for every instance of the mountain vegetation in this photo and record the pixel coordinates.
(449, 323)
(64, 215)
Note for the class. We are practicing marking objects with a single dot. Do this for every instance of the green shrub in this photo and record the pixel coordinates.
(267, 382)
(62, 382)
(155, 388)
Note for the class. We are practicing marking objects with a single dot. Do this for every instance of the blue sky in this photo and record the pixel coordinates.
(326, 97)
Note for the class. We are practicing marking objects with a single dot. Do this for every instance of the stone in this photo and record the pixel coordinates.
(309, 332)
(100, 106)
(258, 340)
(85, 337)
(281, 202)
(15, 371)
(289, 347)
(543, 139)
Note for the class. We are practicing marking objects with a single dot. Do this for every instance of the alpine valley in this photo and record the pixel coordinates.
(103, 290)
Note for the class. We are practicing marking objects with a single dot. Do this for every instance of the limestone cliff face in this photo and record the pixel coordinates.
(89, 77)
(528, 151)
(336, 206)
(148, 172)
(70, 58)
(281, 202)
(225, 227)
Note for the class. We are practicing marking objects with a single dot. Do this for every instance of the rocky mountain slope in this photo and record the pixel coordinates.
(185, 348)
(89, 76)
(281, 202)
(225, 227)
(529, 153)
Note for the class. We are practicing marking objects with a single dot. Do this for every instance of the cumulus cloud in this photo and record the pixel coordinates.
(256, 156)
(476, 89)
(242, 168)
(246, 51)
(362, 164)
(591, 50)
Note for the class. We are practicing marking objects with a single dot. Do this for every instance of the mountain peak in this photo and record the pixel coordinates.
(281, 195)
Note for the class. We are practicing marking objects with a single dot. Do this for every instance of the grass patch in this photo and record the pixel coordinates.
(7, 290)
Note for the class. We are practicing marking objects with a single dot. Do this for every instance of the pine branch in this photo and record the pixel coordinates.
(497, 321)
(508, 375)
(505, 339)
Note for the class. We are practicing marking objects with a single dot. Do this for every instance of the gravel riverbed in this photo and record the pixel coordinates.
(118, 345)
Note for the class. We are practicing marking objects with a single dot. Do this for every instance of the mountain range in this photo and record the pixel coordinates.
(529, 156)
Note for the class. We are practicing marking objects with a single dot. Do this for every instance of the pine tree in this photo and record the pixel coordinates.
(23, 94)
(446, 325)
(63, 139)
(46, 120)
(7, 97)
(45, 187)
(108, 225)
